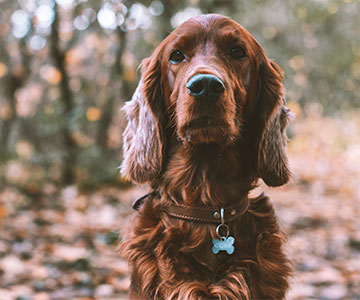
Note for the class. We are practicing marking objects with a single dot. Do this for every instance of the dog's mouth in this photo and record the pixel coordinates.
(203, 122)
(206, 130)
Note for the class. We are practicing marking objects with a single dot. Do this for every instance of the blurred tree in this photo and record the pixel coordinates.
(15, 70)
(58, 56)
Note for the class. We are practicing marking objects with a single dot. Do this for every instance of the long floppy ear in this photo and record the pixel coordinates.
(143, 138)
(272, 160)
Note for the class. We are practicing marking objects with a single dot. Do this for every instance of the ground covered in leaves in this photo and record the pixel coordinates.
(61, 244)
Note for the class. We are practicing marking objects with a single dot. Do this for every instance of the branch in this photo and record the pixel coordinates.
(75, 33)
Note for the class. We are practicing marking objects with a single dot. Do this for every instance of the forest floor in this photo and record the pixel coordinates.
(61, 244)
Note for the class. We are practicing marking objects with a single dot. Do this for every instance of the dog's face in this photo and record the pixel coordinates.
(209, 68)
(210, 81)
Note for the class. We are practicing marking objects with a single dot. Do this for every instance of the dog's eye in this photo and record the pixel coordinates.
(237, 53)
(176, 57)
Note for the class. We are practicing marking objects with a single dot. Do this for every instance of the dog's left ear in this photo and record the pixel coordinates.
(143, 138)
(274, 117)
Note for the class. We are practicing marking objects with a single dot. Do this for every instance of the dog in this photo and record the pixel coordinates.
(205, 123)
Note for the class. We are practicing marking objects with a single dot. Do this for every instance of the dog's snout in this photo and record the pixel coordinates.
(205, 87)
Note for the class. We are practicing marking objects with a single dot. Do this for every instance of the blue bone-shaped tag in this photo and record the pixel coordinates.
(225, 244)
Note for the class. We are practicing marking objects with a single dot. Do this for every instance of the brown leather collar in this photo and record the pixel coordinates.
(199, 214)
(205, 214)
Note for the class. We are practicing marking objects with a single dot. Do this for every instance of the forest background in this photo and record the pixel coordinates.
(66, 69)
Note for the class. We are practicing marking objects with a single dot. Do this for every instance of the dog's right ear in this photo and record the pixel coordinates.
(143, 138)
(274, 117)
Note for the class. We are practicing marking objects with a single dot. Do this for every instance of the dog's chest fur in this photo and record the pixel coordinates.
(178, 250)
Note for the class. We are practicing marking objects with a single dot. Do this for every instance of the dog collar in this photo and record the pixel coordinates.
(201, 214)
(206, 214)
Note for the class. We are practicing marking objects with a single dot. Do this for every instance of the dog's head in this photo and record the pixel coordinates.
(207, 80)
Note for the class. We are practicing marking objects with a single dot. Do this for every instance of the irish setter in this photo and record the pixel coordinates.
(207, 120)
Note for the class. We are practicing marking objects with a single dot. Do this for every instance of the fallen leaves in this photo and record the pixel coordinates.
(64, 247)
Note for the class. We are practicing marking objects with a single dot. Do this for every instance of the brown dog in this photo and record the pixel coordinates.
(206, 122)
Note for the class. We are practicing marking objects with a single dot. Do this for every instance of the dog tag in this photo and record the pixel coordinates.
(224, 244)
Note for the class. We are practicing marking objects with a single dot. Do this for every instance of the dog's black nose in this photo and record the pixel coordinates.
(205, 87)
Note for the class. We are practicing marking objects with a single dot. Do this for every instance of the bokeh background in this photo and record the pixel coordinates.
(67, 67)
